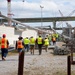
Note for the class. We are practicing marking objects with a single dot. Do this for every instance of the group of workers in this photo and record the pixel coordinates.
(27, 44)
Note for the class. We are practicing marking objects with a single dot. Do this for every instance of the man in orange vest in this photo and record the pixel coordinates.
(54, 40)
(19, 45)
(4, 47)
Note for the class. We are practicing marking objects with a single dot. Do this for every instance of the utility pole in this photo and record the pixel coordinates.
(41, 15)
(9, 11)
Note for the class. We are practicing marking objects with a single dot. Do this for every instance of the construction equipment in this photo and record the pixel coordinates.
(68, 25)
(63, 16)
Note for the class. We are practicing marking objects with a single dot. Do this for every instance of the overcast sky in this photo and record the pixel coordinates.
(31, 8)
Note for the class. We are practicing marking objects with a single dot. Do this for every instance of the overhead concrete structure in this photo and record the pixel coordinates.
(29, 27)
(45, 19)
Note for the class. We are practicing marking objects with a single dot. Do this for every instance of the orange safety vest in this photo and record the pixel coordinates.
(19, 44)
(4, 43)
(54, 39)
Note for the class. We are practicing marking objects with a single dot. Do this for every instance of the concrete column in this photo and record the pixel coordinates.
(9, 11)
(54, 24)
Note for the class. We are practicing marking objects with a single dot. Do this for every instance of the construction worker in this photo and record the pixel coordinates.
(4, 47)
(54, 40)
(40, 43)
(49, 38)
(57, 36)
(26, 43)
(19, 45)
(32, 45)
(46, 43)
(0, 42)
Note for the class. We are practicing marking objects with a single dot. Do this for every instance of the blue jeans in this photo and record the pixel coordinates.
(19, 49)
(4, 52)
(27, 47)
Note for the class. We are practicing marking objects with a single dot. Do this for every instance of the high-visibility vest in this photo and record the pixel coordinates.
(49, 37)
(57, 35)
(54, 39)
(4, 43)
(26, 41)
(32, 41)
(39, 40)
(0, 42)
(46, 42)
(19, 44)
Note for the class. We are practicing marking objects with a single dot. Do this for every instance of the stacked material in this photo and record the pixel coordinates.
(61, 51)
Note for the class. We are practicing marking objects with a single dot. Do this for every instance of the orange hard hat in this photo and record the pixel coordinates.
(4, 35)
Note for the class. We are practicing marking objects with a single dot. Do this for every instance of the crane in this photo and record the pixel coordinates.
(63, 15)
(68, 25)
(69, 15)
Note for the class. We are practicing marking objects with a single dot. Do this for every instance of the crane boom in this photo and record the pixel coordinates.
(68, 25)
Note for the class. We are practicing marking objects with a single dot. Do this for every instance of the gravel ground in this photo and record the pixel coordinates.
(45, 64)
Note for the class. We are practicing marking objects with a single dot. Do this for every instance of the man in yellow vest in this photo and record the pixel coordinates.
(46, 43)
(32, 45)
(26, 43)
(57, 36)
(4, 47)
(40, 42)
(49, 36)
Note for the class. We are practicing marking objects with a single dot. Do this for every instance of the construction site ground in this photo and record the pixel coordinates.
(44, 64)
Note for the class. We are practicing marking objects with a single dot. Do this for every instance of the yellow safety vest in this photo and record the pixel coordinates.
(39, 40)
(26, 41)
(32, 41)
(46, 42)
(57, 35)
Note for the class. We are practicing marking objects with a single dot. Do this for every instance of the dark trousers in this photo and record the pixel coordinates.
(27, 47)
(54, 42)
(40, 48)
(4, 52)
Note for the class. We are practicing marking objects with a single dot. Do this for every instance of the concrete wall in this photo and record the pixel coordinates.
(13, 35)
